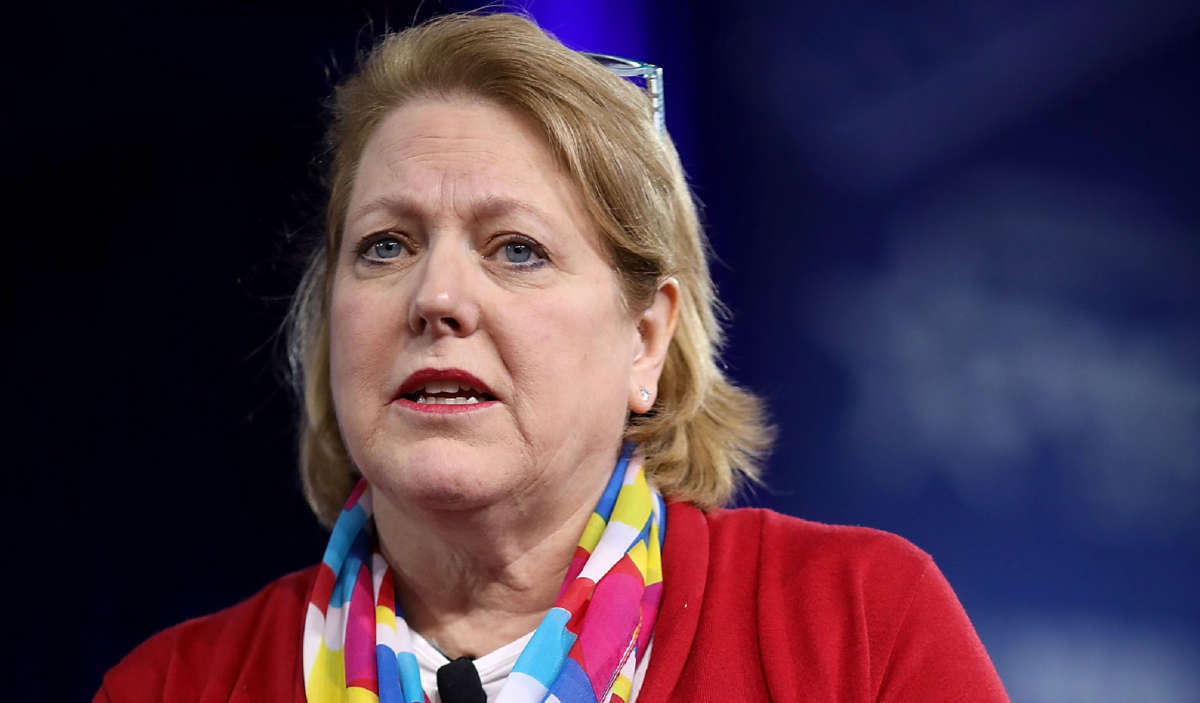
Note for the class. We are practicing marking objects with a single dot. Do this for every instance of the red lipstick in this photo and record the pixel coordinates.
(443, 392)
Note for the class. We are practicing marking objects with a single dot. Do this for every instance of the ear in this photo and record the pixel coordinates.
(655, 328)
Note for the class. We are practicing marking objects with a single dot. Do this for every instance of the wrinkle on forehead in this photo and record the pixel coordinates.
(472, 172)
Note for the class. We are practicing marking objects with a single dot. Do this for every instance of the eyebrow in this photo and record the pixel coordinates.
(487, 208)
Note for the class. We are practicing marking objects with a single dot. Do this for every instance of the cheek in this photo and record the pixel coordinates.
(356, 333)
(574, 353)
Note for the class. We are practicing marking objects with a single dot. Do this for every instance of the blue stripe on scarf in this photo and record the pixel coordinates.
(605, 507)
(547, 648)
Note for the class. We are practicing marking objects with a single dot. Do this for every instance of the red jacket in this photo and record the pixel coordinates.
(756, 606)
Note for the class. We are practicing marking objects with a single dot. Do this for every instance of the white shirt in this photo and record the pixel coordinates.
(493, 667)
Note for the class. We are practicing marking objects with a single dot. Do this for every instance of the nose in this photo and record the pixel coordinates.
(444, 303)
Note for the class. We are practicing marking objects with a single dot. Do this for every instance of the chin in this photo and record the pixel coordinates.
(439, 474)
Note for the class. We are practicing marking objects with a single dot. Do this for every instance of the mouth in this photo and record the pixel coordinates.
(443, 390)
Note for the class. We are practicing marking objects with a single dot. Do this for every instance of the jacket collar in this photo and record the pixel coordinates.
(685, 569)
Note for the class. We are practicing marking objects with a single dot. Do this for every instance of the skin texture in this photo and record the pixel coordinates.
(466, 246)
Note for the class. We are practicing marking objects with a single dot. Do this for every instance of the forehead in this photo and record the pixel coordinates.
(461, 154)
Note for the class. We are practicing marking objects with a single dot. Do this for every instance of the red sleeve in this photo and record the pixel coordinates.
(144, 673)
(863, 615)
(250, 652)
(936, 655)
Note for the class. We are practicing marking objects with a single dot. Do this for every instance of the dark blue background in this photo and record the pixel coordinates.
(961, 243)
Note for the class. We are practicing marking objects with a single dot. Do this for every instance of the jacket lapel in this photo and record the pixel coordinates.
(685, 569)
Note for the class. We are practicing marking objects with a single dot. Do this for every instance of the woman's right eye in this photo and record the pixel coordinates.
(382, 247)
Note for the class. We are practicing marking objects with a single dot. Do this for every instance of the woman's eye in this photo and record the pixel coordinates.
(520, 252)
(387, 249)
(382, 247)
(517, 253)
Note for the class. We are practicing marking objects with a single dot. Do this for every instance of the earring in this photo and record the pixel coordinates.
(645, 393)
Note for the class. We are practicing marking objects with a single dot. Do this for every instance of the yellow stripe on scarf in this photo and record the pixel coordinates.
(633, 503)
(591, 534)
(327, 683)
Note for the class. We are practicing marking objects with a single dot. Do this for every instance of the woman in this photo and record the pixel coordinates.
(516, 427)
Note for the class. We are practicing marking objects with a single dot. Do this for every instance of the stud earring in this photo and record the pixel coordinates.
(645, 393)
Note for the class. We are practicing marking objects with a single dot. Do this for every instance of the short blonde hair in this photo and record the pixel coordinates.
(704, 434)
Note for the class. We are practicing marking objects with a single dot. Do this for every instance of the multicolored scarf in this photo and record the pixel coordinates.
(357, 645)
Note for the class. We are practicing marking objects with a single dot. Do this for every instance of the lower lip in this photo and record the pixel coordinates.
(442, 408)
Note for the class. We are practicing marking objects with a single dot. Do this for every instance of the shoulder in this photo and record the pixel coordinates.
(246, 646)
(813, 552)
(869, 613)
(830, 576)
(853, 582)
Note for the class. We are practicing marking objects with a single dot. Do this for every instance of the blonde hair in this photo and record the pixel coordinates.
(704, 434)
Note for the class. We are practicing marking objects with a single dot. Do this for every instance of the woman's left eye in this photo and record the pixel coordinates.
(520, 252)
(517, 252)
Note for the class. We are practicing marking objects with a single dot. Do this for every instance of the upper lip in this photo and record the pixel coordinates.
(418, 379)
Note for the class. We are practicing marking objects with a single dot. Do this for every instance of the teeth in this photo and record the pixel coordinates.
(457, 400)
(435, 387)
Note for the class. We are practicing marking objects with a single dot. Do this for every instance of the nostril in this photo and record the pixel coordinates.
(451, 323)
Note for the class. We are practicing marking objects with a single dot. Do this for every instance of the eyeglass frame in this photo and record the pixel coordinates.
(629, 68)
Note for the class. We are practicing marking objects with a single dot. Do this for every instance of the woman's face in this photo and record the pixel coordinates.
(480, 351)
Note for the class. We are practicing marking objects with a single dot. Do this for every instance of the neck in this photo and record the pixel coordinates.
(473, 581)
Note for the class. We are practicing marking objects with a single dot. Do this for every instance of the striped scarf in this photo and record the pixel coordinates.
(357, 645)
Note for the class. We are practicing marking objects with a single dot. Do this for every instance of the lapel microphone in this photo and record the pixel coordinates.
(458, 682)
